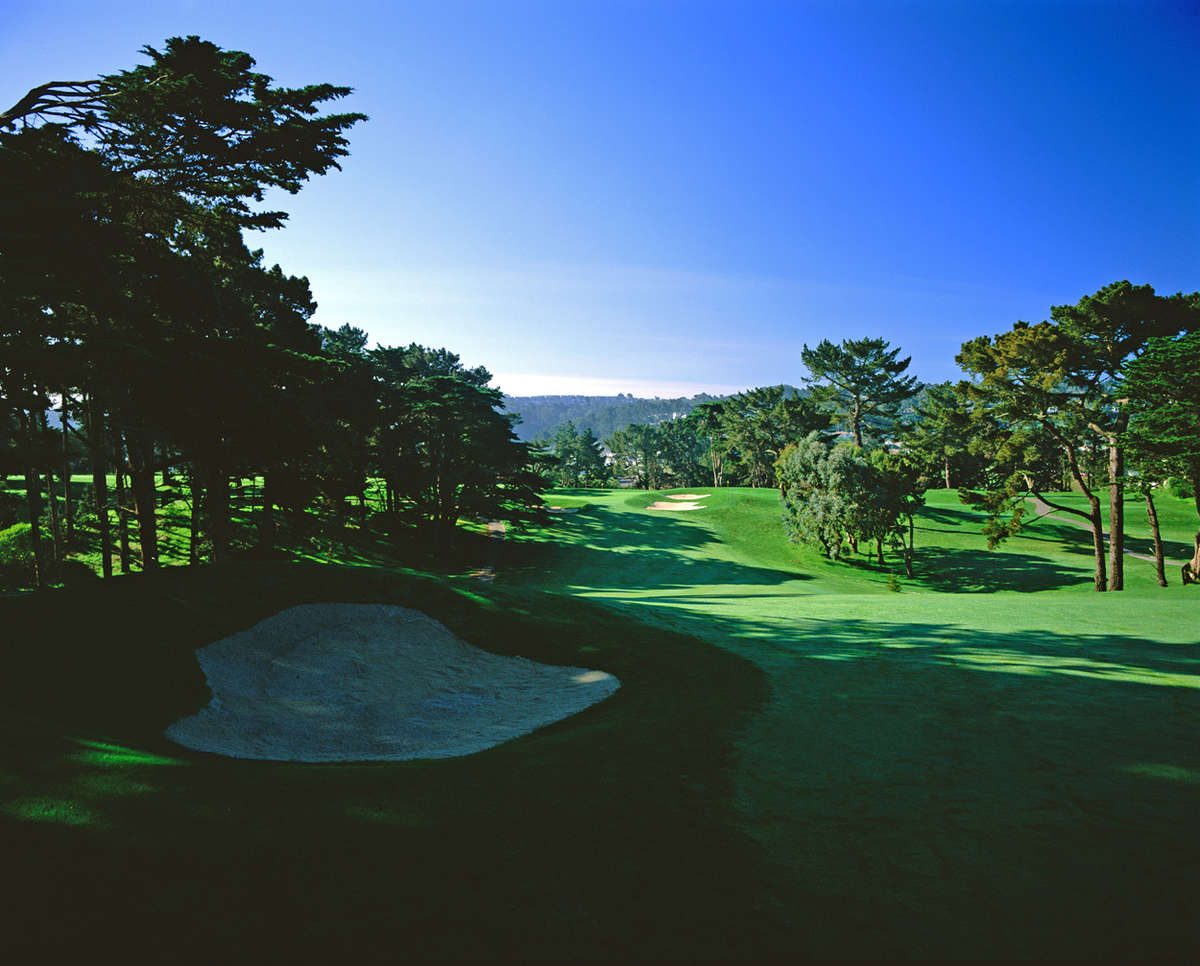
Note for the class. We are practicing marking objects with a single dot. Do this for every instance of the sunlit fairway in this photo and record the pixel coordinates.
(993, 761)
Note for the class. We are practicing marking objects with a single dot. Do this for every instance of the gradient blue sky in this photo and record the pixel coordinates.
(663, 197)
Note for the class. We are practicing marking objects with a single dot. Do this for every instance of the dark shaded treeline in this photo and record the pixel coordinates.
(1102, 395)
(130, 302)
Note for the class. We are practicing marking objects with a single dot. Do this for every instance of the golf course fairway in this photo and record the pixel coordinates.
(804, 758)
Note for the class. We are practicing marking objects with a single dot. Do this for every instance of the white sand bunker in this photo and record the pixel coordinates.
(372, 682)
(563, 509)
(660, 505)
(687, 496)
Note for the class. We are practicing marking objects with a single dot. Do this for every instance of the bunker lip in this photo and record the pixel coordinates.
(372, 682)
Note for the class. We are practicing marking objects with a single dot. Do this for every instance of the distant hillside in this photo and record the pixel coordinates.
(541, 416)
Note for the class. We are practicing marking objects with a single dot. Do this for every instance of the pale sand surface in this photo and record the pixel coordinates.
(688, 496)
(372, 682)
(563, 509)
(660, 505)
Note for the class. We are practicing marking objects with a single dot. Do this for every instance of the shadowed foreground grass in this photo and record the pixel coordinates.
(611, 834)
(798, 762)
(1006, 770)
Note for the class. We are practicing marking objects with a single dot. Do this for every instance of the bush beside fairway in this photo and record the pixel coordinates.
(798, 762)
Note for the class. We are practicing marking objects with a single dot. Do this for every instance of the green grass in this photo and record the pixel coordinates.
(995, 761)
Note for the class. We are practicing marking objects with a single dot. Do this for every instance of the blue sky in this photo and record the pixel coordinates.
(663, 197)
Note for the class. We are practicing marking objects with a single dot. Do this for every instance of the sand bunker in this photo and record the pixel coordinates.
(372, 682)
(563, 509)
(688, 496)
(660, 505)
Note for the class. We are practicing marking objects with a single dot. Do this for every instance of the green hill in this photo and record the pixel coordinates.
(541, 416)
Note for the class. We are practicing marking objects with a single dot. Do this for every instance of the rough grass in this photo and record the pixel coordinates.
(994, 762)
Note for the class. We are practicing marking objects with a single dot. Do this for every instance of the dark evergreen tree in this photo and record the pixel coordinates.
(862, 381)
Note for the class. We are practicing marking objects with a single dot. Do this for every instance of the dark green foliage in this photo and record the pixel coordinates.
(1163, 387)
(637, 456)
(1063, 380)
(458, 454)
(578, 458)
(862, 382)
(733, 441)
(939, 435)
(16, 555)
(841, 494)
(750, 430)
(198, 121)
(125, 283)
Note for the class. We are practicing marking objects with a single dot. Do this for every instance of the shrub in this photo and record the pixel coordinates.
(16, 555)
(1177, 486)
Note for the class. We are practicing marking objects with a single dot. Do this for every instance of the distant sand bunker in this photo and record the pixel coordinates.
(372, 682)
(660, 505)
(688, 496)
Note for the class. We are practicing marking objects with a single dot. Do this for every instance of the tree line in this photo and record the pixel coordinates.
(131, 304)
(543, 416)
(1103, 395)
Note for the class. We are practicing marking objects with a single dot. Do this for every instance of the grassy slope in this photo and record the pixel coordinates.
(1011, 771)
(997, 772)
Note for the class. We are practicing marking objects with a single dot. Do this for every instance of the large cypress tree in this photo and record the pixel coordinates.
(1163, 388)
(197, 137)
(862, 381)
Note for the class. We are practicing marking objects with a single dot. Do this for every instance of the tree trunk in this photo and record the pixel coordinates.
(1093, 518)
(122, 516)
(141, 474)
(1191, 569)
(946, 471)
(266, 519)
(167, 478)
(856, 421)
(55, 524)
(908, 554)
(1097, 540)
(33, 500)
(68, 501)
(1116, 517)
(197, 492)
(100, 483)
(1159, 562)
(879, 550)
(56, 546)
(217, 504)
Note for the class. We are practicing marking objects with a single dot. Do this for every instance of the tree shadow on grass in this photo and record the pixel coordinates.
(612, 833)
(603, 549)
(1072, 536)
(937, 790)
(988, 571)
(939, 514)
(923, 789)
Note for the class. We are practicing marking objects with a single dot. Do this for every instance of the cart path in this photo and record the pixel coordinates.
(1043, 509)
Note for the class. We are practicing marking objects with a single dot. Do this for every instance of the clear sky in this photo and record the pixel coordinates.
(663, 196)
